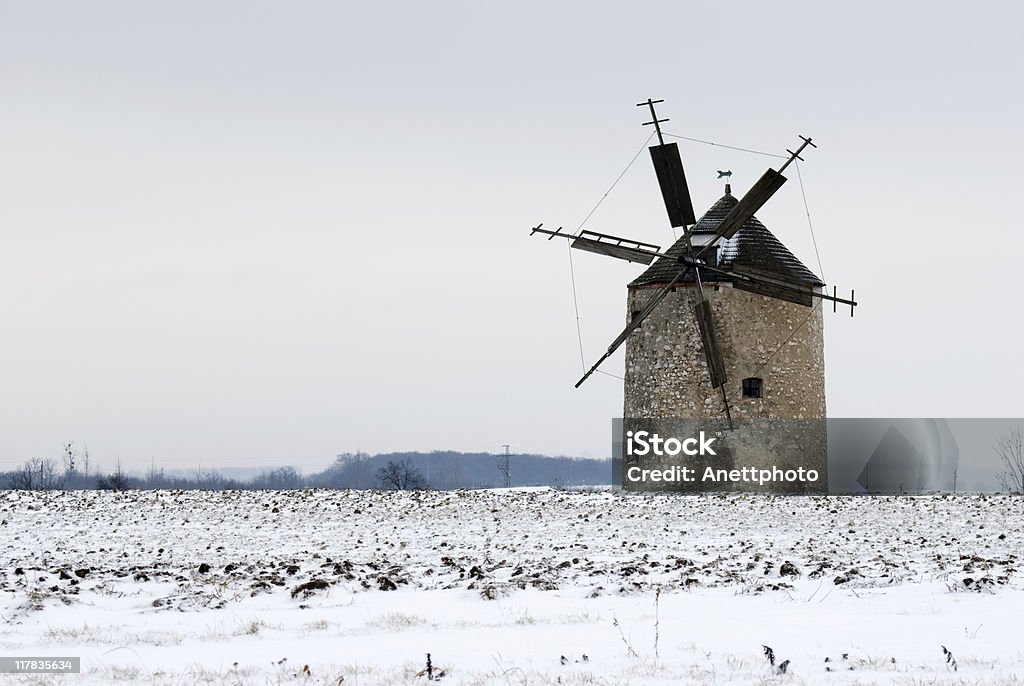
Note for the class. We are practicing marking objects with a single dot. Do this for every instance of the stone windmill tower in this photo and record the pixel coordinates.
(772, 353)
(724, 335)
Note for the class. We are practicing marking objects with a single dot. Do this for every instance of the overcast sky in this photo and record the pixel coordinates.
(260, 233)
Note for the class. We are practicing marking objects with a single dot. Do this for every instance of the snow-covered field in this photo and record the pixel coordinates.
(514, 587)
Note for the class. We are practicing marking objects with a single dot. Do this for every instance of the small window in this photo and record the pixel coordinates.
(751, 388)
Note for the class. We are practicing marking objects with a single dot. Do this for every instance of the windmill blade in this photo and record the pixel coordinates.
(805, 299)
(799, 292)
(669, 168)
(771, 285)
(606, 244)
(635, 322)
(764, 283)
(613, 246)
(709, 341)
(751, 202)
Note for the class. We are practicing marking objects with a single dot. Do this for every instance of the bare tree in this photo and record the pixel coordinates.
(118, 480)
(37, 474)
(401, 476)
(49, 477)
(282, 478)
(73, 458)
(69, 459)
(155, 478)
(1010, 449)
(23, 478)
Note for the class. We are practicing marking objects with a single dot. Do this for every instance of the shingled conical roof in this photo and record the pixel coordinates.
(752, 246)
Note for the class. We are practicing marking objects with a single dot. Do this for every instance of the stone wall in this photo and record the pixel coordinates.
(666, 374)
(666, 378)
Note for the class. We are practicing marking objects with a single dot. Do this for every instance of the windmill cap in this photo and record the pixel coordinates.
(752, 246)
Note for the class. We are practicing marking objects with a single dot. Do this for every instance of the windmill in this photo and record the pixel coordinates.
(692, 258)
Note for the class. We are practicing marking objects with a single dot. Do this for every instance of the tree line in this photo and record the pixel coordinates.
(442, 470)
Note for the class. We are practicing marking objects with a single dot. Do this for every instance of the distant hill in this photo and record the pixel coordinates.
(449, 470)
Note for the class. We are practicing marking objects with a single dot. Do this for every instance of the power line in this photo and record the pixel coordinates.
(730, 147)
(572, 270)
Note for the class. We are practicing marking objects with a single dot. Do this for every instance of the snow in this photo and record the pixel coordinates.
(165, 587)
(729, 248)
